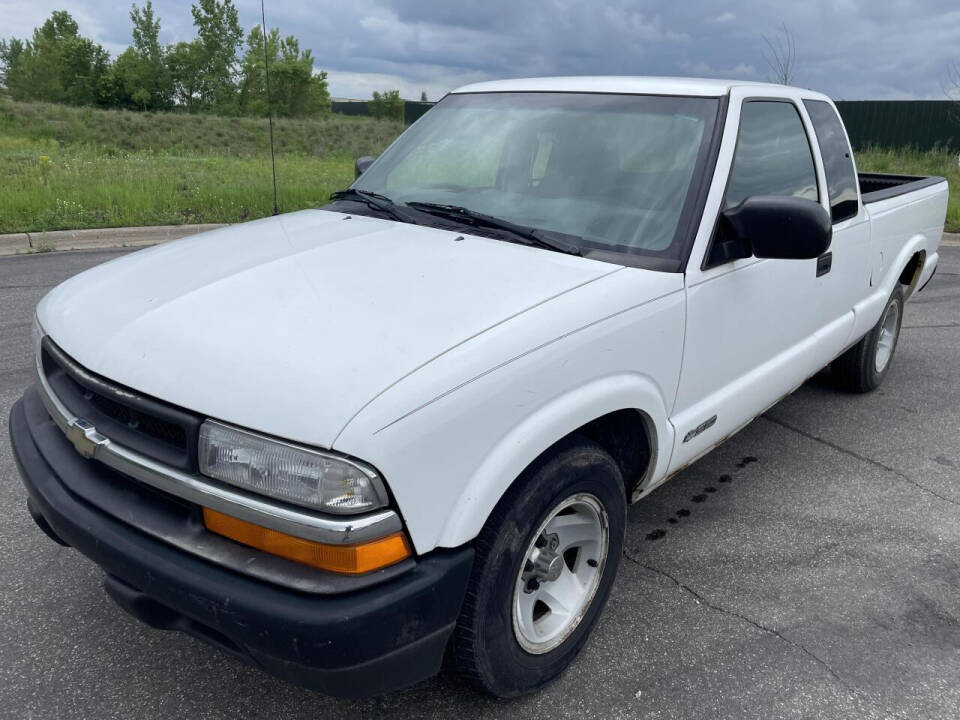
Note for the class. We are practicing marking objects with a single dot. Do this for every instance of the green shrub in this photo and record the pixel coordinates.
(387, 106)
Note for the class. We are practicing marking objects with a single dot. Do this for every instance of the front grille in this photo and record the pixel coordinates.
(152, 427)
(162, 430)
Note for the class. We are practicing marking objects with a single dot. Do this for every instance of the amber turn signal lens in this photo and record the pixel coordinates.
(347, 559)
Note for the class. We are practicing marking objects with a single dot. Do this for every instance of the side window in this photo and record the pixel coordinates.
(773, 154)
(837, 163)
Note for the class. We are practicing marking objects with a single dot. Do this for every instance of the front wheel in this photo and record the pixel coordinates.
(864, 366)
(545, 563)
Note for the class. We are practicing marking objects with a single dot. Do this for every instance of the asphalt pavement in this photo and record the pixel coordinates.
(808, 568)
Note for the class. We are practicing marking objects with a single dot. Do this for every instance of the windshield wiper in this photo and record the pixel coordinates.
(535, 236)
(375, 201)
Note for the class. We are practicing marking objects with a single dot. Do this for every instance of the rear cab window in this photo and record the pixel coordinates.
(837, 159)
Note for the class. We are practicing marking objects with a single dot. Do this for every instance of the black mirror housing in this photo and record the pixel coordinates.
(361, 165)
(782, 227)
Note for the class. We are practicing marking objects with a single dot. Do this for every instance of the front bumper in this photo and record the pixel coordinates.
(367, 642)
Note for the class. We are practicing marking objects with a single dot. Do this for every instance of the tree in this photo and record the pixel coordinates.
(10, 52)
(387, 105)
(220, 37)
(158, 83)
(132, 80)
(56, 65)
(781, 56)
(423, 96)
(295, 90)
(59, 65)
(110, 91)
(185, 63)
(951, 88)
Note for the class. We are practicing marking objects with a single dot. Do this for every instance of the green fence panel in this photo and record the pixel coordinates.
(924, 124)
(350, 107)
(411, 110)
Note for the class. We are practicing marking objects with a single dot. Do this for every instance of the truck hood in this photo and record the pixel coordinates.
(291, 325)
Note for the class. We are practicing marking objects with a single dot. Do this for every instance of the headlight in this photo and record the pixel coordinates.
(297, 475)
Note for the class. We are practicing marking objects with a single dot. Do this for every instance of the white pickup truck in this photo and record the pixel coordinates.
(342, 442)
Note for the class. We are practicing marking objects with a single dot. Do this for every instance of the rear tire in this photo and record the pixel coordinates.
(545, 562)
(864, 366)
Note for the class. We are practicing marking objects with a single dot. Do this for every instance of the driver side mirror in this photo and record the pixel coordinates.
(772, 226)
(361, 165)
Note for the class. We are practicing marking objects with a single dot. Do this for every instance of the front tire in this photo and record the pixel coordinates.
(545, 562)
(864, 366)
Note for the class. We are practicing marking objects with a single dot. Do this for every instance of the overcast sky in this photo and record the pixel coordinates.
(850, 49)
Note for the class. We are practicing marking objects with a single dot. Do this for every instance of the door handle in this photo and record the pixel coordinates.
(824, 263)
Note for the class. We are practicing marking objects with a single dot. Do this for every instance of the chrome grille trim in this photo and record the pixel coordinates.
(196, 489)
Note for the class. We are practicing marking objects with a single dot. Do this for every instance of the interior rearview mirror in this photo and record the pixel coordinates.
(361, 165)
(773, 226)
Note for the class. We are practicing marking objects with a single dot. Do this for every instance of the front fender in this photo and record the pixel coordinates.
(453, 436)
(538, 431)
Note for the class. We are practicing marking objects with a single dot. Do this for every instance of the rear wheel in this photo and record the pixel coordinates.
(864, 366)
(545, 562)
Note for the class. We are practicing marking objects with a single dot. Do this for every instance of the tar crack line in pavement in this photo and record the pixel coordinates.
(862, 458)
(763, 628)
(929, 327)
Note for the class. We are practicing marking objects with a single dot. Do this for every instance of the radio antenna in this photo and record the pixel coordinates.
(266, 72)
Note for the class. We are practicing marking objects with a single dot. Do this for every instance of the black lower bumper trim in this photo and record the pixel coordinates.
(42, 523)
(369, 642)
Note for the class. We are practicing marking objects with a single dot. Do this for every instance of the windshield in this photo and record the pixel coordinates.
(614, 171)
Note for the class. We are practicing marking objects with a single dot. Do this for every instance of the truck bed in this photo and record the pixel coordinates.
(875, 187)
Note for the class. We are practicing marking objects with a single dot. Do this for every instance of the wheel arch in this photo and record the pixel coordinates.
(607, 410)
(911, 272)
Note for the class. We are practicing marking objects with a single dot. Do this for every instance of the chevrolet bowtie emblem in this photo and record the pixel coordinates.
(85, 437)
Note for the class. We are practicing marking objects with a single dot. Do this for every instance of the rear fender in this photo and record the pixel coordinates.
(867, 312)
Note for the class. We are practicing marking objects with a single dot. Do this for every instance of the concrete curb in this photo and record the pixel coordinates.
(19, 243)
(14, 243)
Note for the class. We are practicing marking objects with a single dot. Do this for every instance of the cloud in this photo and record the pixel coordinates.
(846, 48)
(740, 71)
(346, 85)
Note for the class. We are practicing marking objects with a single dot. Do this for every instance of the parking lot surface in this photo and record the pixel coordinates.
(808, 568)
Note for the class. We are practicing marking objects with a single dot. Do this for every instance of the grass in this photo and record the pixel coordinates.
(180, 133)
(70, 168)
(910, 161)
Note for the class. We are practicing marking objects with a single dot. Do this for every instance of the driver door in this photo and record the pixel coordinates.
(752, 324)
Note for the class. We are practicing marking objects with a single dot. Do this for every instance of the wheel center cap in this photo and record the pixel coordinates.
(548, 565)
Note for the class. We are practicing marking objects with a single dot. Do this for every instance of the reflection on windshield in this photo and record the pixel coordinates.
(614, 170)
